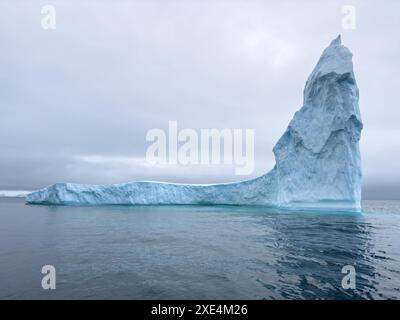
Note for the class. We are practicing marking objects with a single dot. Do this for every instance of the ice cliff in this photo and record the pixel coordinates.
(317, 158)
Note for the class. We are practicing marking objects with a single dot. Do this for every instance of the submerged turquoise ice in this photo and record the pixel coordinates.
(318, 161)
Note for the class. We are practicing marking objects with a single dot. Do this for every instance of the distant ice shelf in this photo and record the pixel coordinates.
(14, 193)
(318, 164)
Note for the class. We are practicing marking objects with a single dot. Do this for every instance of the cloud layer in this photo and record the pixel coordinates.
(76, 102)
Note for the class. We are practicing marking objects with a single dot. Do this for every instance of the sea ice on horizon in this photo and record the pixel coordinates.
(318, 162)
(13, 193)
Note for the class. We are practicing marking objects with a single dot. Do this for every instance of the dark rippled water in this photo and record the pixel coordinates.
(198, 252)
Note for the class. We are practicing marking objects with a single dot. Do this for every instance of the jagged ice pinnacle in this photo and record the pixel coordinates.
(318, 161)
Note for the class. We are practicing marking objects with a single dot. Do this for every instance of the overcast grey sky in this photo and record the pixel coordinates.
(76, 102)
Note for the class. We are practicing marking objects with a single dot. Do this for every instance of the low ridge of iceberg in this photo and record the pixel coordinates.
(318, 162)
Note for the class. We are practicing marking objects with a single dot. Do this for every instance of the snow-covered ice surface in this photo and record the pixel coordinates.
(318, 161)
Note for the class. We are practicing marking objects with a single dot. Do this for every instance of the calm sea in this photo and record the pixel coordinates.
(184, 252)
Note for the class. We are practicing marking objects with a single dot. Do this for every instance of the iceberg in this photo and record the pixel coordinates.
(318, 163)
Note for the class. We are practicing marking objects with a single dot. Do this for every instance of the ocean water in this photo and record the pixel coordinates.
(183, 252)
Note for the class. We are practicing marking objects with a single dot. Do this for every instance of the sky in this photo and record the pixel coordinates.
(77, 101)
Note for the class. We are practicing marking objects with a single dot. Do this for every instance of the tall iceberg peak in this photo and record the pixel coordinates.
(317, 159)
(337, 41)
(335, 58)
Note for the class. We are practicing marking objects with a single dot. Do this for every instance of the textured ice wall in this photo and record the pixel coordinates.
(317, 158)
